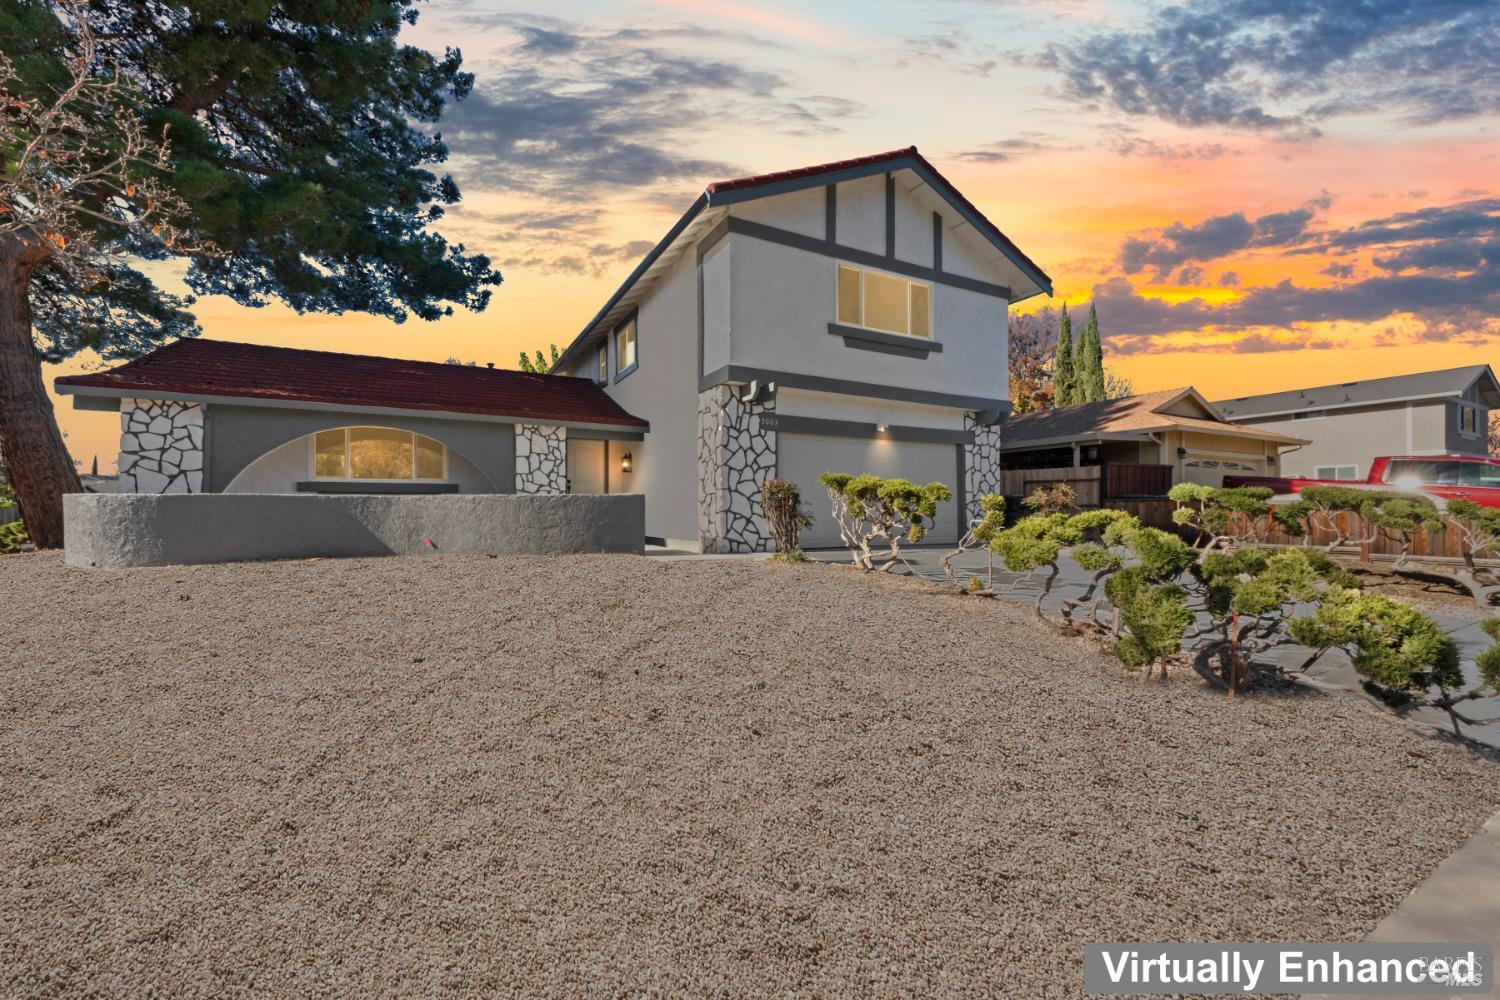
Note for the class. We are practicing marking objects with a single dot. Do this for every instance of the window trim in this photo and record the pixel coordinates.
(1465, 409)
(909, 282)
(614, 339)
(312, 457)
(601, 364)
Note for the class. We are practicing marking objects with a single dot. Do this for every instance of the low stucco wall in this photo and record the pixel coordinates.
(136, 529)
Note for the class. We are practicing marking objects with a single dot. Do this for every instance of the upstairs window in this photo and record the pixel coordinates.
(884, 302)
(602, 374)
(625, 356)
(1308, 414)
(1468, 420)
(377, 453)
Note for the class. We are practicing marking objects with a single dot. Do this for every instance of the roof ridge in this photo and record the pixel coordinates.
(347, 354)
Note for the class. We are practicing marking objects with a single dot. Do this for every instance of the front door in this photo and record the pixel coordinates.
(586, 466)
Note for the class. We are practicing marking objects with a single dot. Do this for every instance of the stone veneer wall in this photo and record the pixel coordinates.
(541, 458)
(981, 463)
(161, 446)
(736, 454)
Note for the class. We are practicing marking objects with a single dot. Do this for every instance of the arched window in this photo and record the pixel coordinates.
(377, 453)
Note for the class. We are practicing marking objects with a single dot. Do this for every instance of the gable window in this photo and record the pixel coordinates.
(377, 453)
(625, 350)
(602, 372)
(1468, 420)
(1308, 414)
(884, 302)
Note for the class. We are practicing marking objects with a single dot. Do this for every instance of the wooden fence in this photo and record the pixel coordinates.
(1125, 479)
(1433, 546)
(1084, 480)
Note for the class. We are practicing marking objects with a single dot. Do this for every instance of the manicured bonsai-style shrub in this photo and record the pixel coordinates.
(1155, 618)
(1226, 517)
(1371, 515)
(868, 508)
(1036, 542)
(981, 529)
(1406, 660)
(781, 501)
(1478, 530)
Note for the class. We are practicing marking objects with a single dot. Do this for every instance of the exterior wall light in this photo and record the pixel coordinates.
(1182, 453)
(881, 428)
(626, 462)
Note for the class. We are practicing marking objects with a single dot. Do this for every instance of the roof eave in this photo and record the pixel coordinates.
(141, 392)
(569, 355)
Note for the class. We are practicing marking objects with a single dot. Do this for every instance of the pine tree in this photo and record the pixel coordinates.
(1088, 363)
(298, 144)
(1064, 378)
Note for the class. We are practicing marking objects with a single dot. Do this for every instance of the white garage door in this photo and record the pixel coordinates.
(802, 458)
(1209, 469)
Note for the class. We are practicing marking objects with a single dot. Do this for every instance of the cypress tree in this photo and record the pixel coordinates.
(1064, 379)
(1089, 362)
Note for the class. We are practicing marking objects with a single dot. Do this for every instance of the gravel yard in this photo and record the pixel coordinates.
(455, 776)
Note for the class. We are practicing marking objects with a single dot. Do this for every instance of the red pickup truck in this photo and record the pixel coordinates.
(1442, 477)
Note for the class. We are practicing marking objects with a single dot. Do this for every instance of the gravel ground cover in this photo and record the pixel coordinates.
(607, 775)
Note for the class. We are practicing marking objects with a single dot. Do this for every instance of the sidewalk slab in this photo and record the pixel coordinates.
(1460, 901)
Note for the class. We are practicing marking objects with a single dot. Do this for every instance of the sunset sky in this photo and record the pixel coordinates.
(1255, 202)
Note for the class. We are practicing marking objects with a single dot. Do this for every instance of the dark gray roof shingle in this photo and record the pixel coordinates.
(1362, 392)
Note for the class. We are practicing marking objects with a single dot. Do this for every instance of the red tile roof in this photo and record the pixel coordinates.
(907, 153)
(252, 371)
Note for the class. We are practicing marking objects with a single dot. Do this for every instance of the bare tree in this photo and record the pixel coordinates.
(82, 188)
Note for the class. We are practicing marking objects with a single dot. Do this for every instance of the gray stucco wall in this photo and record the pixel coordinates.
(1357, 435)
(238, 435)
(176, 529)
(664, 390)
(784, 298)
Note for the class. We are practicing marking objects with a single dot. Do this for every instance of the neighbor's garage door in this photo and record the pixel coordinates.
(802, 458)
(1210, 469)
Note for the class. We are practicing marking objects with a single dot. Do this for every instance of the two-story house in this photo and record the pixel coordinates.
(847, 317)
(1349, 424)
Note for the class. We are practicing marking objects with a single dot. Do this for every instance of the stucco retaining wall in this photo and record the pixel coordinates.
(175, 529)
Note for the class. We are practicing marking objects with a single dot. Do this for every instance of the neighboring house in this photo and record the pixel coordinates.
(1352, 423)
(847, 317)
(1141, 445)
(207, 416)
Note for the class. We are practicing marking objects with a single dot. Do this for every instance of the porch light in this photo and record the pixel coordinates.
(881, 428)
(626, 462)
(1182, 453)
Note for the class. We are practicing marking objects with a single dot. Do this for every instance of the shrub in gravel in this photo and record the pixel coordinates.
(981, 529)
(1405, 659)
(781, 501)
(1228, 517)
(1155, 619)
(13, 537)
(1248, 597)
(1038, 541)
(868, 508)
